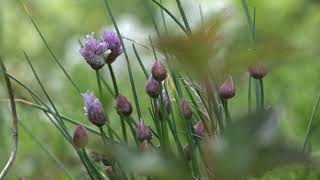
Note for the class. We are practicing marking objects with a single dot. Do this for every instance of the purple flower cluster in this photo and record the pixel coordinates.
(94, 109)
(98, 52)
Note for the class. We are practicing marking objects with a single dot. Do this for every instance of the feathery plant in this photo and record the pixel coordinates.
(188, 131)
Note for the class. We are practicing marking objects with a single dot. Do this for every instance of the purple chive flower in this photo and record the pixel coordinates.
(258, 71)
(227, 90)
(94, 110)
(153, 88)
(143, 132)
(93, 52)
(123, 106)
(80, 137)
(159, 71)
(114, 45)
(186, 109)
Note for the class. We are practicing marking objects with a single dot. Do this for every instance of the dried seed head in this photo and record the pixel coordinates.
(109, 173)
(143, 132)
(186, 109)
(158, 71)
(123, 106)
(94, 110)
(258, 71)
(153, 88)
(93, 52)
(80, 137)
(114, 45)
(186, 152)
(227, 90)
(199, 129)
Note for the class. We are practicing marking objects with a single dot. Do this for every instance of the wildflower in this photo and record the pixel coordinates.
(153, 88)
(143, 132)
(80, 137)
(114, 45)
(186, 152)
(258, 71)
(227, 90)
(186, 110)
(158, 71)
(94, 110)
(123, 106)
(93, 52)
(199, 129)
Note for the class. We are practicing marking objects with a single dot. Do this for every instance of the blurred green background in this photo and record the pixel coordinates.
(293, 86)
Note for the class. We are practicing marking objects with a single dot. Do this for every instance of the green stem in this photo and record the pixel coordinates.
(99, 86)
(249, 94)
(114, 81)
(261, 93)
(226, 111)
(184, 17)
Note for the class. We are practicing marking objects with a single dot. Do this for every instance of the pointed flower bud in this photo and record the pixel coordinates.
(186, 152)
(186, 110)
(94, 110)
(114, 45)
(80, 137)
(153, 88)
(93, 52)
(123, 106)
(258, 71)
(143, 132)
(227, 90)
(159, 71)
(199, 129)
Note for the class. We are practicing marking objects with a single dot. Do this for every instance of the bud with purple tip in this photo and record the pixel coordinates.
(227, 90)
(114, 45)
(186, 109)
(123, 106)
(143, 132)
(258, 71)
(158, 71)
(199, 129)
(80, 137)
(153, 88)
(94, 109)
(93, 52)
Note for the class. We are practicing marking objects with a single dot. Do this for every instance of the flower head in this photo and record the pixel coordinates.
(114, 45)
(258, 71)
(186, 110)
(80, 137)
(143, 132)
(159, 71)
(123, 106)
(93, 52)
(153, 88)
(227, 90)
(94, 110)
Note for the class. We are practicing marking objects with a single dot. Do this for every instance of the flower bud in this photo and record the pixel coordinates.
(186, 152)
(94, 110)
(186, 110)
(199, 129)
(114, 45)
(109, 173)
(153, 88)
(143, 132)
(80, 137)
(227, 90)
(258, 71)
(158, 71)
(123, 106)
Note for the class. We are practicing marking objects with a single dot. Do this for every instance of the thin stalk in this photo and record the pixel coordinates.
(249, 94)
(153, 50)
(164, 20)
(261, 93)
(258, 96)
(184, 17)
(99, 86)
(49, 49)
(114, 81)
(150, 12)
(140, 62)
(104, 82)
(92, 166)
(226, 111)
(313, 116)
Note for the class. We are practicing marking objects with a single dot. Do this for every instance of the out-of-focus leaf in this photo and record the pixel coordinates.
(250, 146)
(150, 163)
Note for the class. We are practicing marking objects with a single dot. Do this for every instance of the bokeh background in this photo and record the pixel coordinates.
(292, 85)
